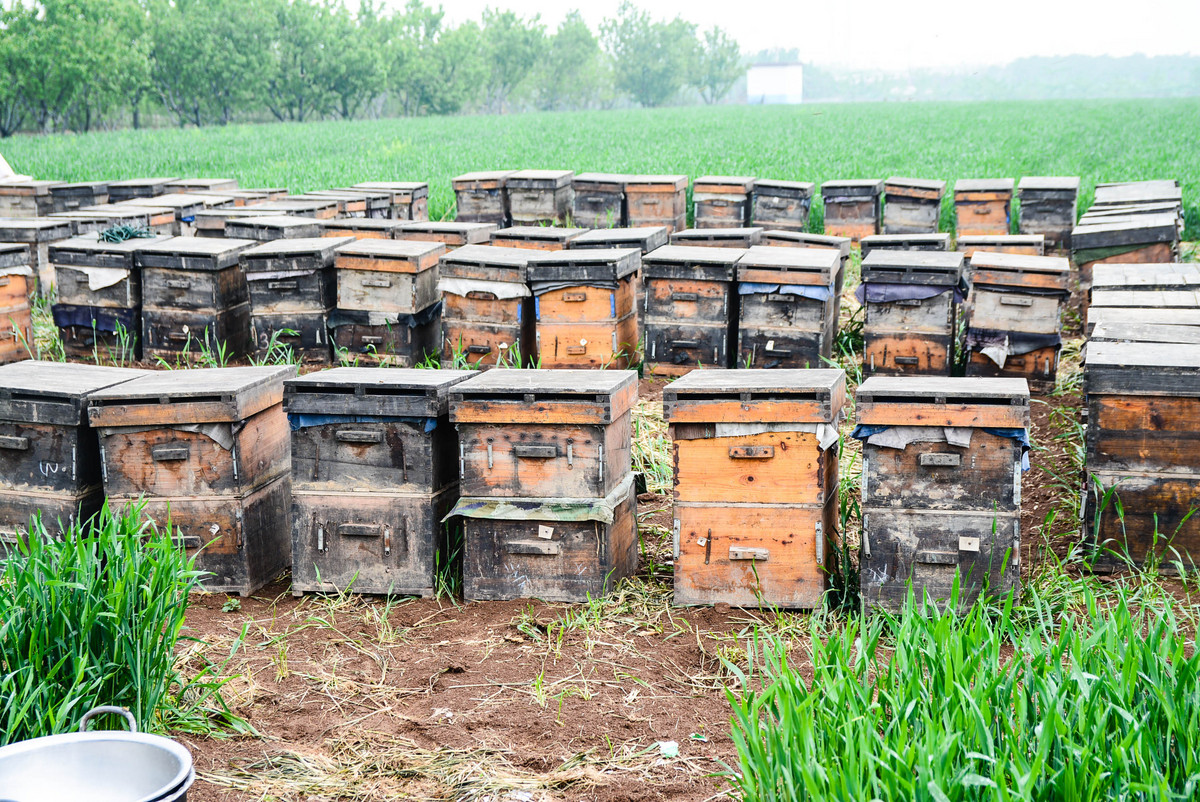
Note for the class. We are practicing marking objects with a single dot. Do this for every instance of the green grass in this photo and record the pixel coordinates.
(1097, 140)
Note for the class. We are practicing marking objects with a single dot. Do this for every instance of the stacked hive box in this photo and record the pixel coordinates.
(1143, 452)
(349, 204)
(1145, 239)
(249, 197)
(374, 472)
(1123, 195)
(656, 200)
(546, 482)
(599, 200)
(1015, 321)
(911, 301)
(718, 237)
(539, 197)
(756, 477)
(360, 228)
(487, 313)
(292, 292)
(202, 185)
(69, 197)
(16, 320)
(409, 200)
(690, 307)
(120, 191)
(802, 239)
(905, 242)
(194, 297)
(183, 209)
(1026, 244)
(789, 301)
(26, 198)
(268, 228)
(645, 238)
(536, 238)
(585, 307)
(38, 233)
(49, 457)
(212, 222)
(378, 200)
(912, 205)
(99, 218)
(388, 308)
(452, 235)
(781, 205)
(983, 205)
(158, 219)
(480, 197)
(941, 487)
(207, 450)
(852, 208)
(721, 201)
(1048, 206)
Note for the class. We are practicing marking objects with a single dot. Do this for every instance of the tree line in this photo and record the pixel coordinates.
(84, 64)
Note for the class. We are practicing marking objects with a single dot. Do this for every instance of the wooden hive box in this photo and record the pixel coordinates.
(1025, 244)
(26, 198)
(212, 222)
(38, 233)
(585, 307)
(68, 197)
(347, 204)
(49, 457)
(941, 487)
(184, 208)
(268, 228)
(194, 296)
(374, 472)
(1160, 316)
(547, 489)
(983, 205)
(1144, 333)
(599, 200)
(657, 200)
(781, 205)
(16, 320)
(803, 239)
(718, 237)
(912, 205)
(298, 206)
(188, 185)
(905, 242)
(119, 191)
(378, 200)
(644, 238)
(487, 308)
(451, 234)
(1126, 193)
(1048, 205)
(1014, 327)
(755, 484)
(479, 197)
(158, 219)
(1166, 276)
(537, 238)
(852, 208)
(690, 308)
(1143, 239)
(539, 197)
(1143, 452)
(361, 227)
(247, 197)
(409, 199)
(720, 201)
(788, 306)
(911, 300)
(208, 450)
(292, 291)
(99, 218)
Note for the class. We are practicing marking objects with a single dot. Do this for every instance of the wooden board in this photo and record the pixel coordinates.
(544, 396)
(1038, 367)
(644, 238)
(1144, 369)
(398, 293)
(1144, 433)
(739, 396)
(393, 346)
(1158, 516)
(986, 475)
(204, 395)
(774, 467)
(1001, 310)
(1028, 244)
(935, 401)
(169, 289)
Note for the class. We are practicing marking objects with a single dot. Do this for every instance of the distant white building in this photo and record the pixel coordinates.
(775, 83)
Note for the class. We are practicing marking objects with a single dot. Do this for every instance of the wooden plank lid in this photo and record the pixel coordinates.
(1108, 194)
(812, 266)
(392, 392)
(706, 263)
(481, 179)
(1158, 316)
(201, 395)
(750, 235)
(1153, 276)
(486, 263)
(544, 396)
(378, 224)
(538, 233)
(785, 189)
(321, 248)
(804, 239)
(984, 185)
(847, 188)
(192, 253)
(1145, 332)
(1067, 185)
(655, 183)
(1129, 230)
(540, 179)
(719, 184)
(408, 250)
(54, 392)
(598, 180)
(935, 187)
(927, 242)
(80, 188)
(187, 184)
(276, 222)
(143, 182)
(398, 189)
(943, 401)
(88, 250)
(1145, 299)
(587, 264)
(913, 267)
(645, 238)
(33, 229)
(993, 268)
(1142, 368)
(452, 231)
(971, 241)
(753, 396)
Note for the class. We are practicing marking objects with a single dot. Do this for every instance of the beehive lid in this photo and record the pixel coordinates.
(1145, 332)
(301, 205)
(1001, 241)
(1109, 214)
(588, 264)
(711, 263)
(941, 401)
(1065, 185)
(646, 238)
(809, 266)
(374, 195)
(1137, 192)
(448, 231)
(913, 267)
(1141, 368)
(719, 184)
(33, 229)
(1176, 316)
(201, 395)
(1133, 230)
(540, 179)
(538, 233)
(361, 224)
(192, 253)
(991, 268)
(1161, 276)
(999, 185)
(54, 392)
(787, 189)
(283, 224)
(866, 187)
(301, 253)
(544, 396)
(156, 184)
(405, 249)
(932, 242)
(614, 180)
(807, 240)
(487, 263)
(391, 392)
(656, 183)
(923, 187)
(207, 184)
(179, 202)
(88, 250)
(748, 236)
(80, 188)
(14, 254)
(396, 187)
(481, 179)
(1147, 299)
(756, 396)
(105, 214)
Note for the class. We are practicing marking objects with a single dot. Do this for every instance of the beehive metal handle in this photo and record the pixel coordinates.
(745, 553)
(929, 557)
(574, 297)
(548, 548)
(11, 443)
(178, 283)
(478, 349)
(370, 339)
(360, 530)
(480, 295)
(282, 285)
(905, 360)
(5, 281)
(685, 296)
(535, 452)
(940, 460)
(358, 436)
(169, 453)
(186, 542)
(752, 452)
(177, 335)
(376, 282)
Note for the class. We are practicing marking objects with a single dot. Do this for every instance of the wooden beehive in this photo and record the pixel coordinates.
(781, 205)
(374, 472)
(905, 242)
(911, 300)
(690, 308)
(1048, 205)
(1108, 214)
(1166, 276)
(585, 307)
(545, 477)
(194, 297)
(68, 197)
(479, 197)
(16, 321)
(361, 227)
(183, 210)
(409, 199)
(378, 200)
(39, 233)
(983, 205)
(119, 191)
(1143, 452)
(803, 239)
(1144, 333)
(537, 238)
(201, 185)
(248, 197)
(1024, 244)
(718, 237)
(657, 200)
(304, 206)
(99, 218)
(720, 201)
(26, 198)
(158, 219)
(349, 204)
(539, 197)
(1142, 239)
(1160, 316)
(912, 205)
(644, 238)
(487, 308)
(1014, 326)
(941, 487)
(207, 450)
(1127, 193)
(268, 227)
(788, 306)
(755, 484)
(49, 457)
(599, 200)
(211, 222)
(852, 208)
(452, 235)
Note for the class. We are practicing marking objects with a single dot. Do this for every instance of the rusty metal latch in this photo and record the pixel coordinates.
(940, 460)
(751, 452)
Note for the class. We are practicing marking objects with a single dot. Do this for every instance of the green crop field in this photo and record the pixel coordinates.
(1097, 140)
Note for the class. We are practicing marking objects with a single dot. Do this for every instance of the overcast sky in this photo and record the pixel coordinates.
(898, 34)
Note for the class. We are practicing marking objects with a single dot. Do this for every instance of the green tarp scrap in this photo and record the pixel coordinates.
(1094, 254)
(545, 509)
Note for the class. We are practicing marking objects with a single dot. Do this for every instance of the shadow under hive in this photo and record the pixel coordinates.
(912, 205)
(16, 320)
(852, 208)
(1048, 206)
(941, 487)
(374, 472)
(781, 205)
(756, 478)
(487, 308)
(983, 205)
(548, 497)
(208, 450)
(721, 201)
